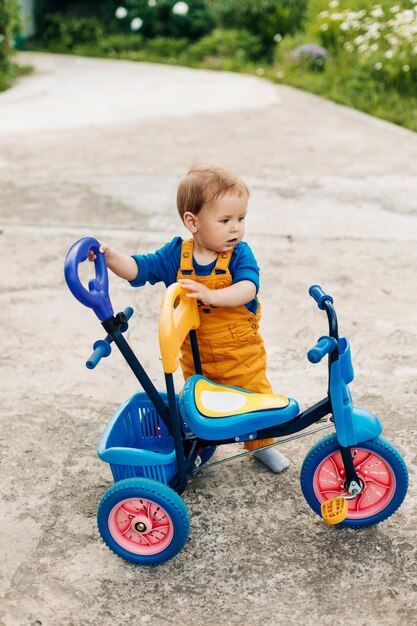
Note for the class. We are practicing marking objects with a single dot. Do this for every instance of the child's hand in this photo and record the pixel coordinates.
(104, 249)
(198, 291)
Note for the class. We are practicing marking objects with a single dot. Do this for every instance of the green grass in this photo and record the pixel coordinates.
(348, 87)
(8, 77)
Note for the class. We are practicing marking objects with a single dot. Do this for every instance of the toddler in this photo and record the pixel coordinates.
(218, 269)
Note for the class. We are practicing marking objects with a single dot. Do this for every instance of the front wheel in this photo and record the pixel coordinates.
(143, 521)
(380, 468)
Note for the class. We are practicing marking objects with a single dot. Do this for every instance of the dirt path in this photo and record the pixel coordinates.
(333, 202)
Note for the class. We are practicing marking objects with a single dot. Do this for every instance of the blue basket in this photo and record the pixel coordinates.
(136, 442)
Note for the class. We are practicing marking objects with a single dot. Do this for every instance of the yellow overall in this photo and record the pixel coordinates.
(231, 348)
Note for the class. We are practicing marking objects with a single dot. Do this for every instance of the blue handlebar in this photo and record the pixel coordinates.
(319, 296)
(323, 346)
(101, 349)
(97, 295)
(128, 312)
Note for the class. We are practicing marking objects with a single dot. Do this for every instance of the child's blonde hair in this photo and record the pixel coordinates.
(203, 184)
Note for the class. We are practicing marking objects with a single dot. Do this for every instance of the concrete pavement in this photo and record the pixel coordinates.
(97, 147)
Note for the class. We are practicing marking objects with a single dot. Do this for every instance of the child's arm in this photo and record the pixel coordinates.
(120, 264)
(237, 294)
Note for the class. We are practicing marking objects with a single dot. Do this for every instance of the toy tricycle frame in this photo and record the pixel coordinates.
(160, 438)
(167, 407)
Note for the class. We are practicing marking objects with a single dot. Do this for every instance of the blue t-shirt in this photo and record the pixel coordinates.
(163, 266)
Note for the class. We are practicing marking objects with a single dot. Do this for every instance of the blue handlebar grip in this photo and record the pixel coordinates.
(101, 349)
(128, 312)
(323, 346)
(319, 296)
(97, 295)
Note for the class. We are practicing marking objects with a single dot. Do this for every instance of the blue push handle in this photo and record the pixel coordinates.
(97, 295)
(102, 347)
(319, 296)
(323, 346)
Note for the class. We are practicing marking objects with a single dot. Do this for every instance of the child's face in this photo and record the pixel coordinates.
(221, 225)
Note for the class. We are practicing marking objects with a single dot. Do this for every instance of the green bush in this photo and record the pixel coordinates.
(65, 33)
(236, 47)
(263, 18)
(159, 18)
(121, 43)
(135, 47)
(9, 25)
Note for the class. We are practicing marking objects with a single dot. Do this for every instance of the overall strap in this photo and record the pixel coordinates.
(222, 263)
(186, 258)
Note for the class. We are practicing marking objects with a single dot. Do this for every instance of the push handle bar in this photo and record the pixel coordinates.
(102, 347)
(319, 296)
(323, 346)
(97, 295)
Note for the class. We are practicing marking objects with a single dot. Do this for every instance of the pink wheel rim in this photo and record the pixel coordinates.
(375, 473)
(141, 526)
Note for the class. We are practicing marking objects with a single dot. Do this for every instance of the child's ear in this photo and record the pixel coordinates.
(190, 221)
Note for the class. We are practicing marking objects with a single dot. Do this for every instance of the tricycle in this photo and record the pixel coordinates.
(156, 440)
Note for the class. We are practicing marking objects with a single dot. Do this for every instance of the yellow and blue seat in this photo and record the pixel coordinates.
(212, 411)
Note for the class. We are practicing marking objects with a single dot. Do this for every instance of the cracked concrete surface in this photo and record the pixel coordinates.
(333, 202)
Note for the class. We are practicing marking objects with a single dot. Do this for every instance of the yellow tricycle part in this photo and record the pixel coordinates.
(334, 511)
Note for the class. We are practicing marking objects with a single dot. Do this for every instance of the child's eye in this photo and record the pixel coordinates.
(241, 219)
(224, 221)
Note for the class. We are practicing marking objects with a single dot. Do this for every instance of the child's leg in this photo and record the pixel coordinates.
(271, 457)
(256, 381)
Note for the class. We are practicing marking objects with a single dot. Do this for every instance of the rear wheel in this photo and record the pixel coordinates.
(143, 521)
(381, 470)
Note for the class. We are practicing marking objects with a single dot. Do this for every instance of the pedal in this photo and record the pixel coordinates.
(334, 511)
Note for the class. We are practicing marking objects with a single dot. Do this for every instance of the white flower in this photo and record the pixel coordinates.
(280, 75)
(324, 27)
(260, 71)
(374, 47)
(180, 8)
(348, 46)
(395, 9)
(389, 54)
(2, 38)
(120, 13)
(406, 68)
(377, 12)
(344, 26)
(378, 66)
(152, 3)
(333, 4)
(325, 14)
(277, 38)
(136, 23)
